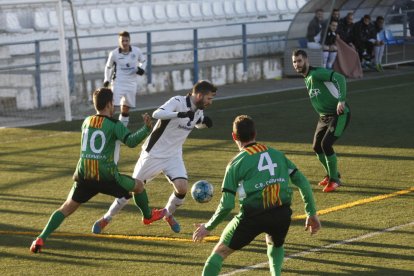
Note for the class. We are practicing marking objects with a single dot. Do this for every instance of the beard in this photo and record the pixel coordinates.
(200, 105)
(302, 70)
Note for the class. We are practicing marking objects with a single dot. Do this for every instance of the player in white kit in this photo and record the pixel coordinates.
(162, 150)
(122, 68)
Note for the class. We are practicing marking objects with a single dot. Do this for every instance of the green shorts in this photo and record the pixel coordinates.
(275, 222)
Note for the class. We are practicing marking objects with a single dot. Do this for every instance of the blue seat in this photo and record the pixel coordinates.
(303, 42)
(391, 40)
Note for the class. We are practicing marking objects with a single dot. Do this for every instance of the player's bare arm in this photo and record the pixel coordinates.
(312, 224)
(200, 233)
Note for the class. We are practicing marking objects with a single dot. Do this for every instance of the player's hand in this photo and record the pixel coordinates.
(207, 121)
(140, 71)
(106, 84)
(188, 114)
(200, 232)
(312, 224)
(147, 120)
(340, 108)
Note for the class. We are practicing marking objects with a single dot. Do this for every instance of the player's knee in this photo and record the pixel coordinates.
(278, 242)
(327, 148)
(317, 147)
(125, 109)
(139, 186)
(180, 186)
(274, 241)
(223, 250)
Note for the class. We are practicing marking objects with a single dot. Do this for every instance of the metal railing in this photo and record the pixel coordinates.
(195, 49)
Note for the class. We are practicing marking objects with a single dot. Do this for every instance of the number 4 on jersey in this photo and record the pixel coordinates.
(266, 163)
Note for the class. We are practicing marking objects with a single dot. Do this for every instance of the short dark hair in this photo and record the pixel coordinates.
(124, 34)
(244, 128)
(299, 52)
(334, 20)
(379, 18)
(319, 10)
(101, 97)
(204, 87)
(367, 16)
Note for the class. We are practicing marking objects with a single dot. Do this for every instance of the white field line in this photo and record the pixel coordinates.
(231, 108)
(318, 249)
(301, 99)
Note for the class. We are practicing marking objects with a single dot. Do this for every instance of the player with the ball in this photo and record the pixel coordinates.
(260, 176)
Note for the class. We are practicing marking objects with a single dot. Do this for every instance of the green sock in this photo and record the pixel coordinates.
(276, 256)
(213, 265)
(332, 167)
(54, 222)
(141, 200)
(322, 159)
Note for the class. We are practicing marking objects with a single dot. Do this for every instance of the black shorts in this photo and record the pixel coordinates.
(83, 191)
(274, 222)
(328, 130)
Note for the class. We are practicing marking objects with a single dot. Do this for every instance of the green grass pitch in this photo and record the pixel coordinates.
(376, 157)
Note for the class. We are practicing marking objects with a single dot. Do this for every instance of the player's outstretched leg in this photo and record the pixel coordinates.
(174, 201)
(54, 222)
(115, 208)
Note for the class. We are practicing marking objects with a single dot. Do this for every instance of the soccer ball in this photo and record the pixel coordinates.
(202, 191)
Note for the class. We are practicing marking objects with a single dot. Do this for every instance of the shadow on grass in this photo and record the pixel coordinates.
(289, 117)
(344, 264)
(373, 271)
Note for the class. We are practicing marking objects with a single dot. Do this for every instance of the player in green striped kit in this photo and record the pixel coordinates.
(260, 175)
(96, 171)
(327, 92)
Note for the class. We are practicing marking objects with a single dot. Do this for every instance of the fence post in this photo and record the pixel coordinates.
(149, 58)
(244, 38)
(195, 51)
(405, 25)
(37, 74)
(71, 73)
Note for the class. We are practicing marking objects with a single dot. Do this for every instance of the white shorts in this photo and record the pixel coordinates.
(124, 96)
(148, 167)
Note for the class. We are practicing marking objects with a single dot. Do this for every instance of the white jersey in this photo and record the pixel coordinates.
(121, 68)
(169, 133)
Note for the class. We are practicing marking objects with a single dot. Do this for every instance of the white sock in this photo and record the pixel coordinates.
(381, 53)
(173, 203)
(376, 52)
(331, 60)
(116, 206)
(125, 121)
(325, 58)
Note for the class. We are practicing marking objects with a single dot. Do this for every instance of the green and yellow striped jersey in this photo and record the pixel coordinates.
(260, 176)
(99, 134)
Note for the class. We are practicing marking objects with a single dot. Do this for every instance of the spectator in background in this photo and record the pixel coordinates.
(336, 15)
(379, 43)
(410, 16)
(329, 48)
(344, 30)
(364, 38)
(314, 31)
